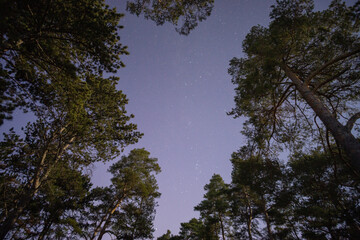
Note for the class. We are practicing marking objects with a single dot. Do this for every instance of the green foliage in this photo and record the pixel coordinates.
(214, 209)
(326, 197)
(48, 47)
(51, 210)
(136, 173)
(256, 183)
(193, 230)
(126, 208)
(64, 206)
(321, 49)
(136, 220)
(301, 68)
(169, 236)
(313, 196)
(187, 14)
(53, 58)
(166, 236)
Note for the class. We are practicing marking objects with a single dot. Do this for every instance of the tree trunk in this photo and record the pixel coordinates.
(341, 133)
(249, 220)
(32, 190)
(106, 219)
(13, 216)
(222, 227)
(267, 220)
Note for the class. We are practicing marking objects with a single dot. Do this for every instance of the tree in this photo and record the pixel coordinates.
(243, 213)
(304, 66)
(187, 13)
(53, 58)
(49, 46)
(85, 133)
(314, 197)
(193, 230)
(52, 213)
(165, 236)
(54, 55)
(214, 209)
(325, 197)
(126, 208)
(256, 182)
(136, 220)
(92, 130)
(169, 236)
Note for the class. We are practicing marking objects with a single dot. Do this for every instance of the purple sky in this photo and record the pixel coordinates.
(179, 92)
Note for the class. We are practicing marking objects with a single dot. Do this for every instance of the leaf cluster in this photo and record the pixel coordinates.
(48, 46)
(321, 48)
(185, 14)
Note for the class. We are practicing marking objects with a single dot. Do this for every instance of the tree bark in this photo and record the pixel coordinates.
(341, 134)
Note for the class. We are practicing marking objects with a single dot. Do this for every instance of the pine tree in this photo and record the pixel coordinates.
(301, 68)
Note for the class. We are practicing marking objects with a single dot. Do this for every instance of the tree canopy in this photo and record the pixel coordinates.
(185, 15)
(126, 208)
(54, 57)
(49, 48)
(301, 68)
(297, 85)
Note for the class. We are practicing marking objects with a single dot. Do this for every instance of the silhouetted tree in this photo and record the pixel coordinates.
(214, 209)
(126, 208)
(304, 66)
(48, 48)
(187, 14)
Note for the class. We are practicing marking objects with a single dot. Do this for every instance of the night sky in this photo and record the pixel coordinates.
(179, 92)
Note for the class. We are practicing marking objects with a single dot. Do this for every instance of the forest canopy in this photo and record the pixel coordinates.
(57, 61)
(298, 89)
(297, 86)
(299, 82)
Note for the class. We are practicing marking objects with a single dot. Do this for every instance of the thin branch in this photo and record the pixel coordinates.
(28, 95)
(58, 155)
(352, 120)
(346, 161)
(284, 97)
(327, 64)
(306, 118)
(330, 148)
(329, 79)
(320, 132)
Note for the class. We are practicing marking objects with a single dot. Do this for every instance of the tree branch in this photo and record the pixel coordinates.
(306, 118)
(320, 133)
(327, 64)
(284, 96)
(352, 120)
(329, 79)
